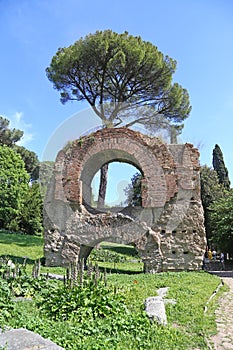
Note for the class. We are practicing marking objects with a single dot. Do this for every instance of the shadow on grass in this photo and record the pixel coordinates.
(119, 271)
(20, 239)
(20, 259)
(130, 251)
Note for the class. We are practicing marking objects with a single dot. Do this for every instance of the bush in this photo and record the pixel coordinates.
(92, 301)
(6, 301)
(106, 255)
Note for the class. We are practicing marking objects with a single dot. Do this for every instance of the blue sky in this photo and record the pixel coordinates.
(196, 33)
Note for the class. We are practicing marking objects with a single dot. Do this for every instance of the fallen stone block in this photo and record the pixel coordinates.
(22, 339)
(155, 309)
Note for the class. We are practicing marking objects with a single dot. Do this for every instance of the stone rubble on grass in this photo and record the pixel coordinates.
(155, 309)
(22, 339)
(155, 306)
(162, 292)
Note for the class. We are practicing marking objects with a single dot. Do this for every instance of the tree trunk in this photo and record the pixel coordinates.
(173, 135)
(103, 186)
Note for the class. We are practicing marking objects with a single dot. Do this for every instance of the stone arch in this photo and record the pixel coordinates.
(170, 201)
(108, 145)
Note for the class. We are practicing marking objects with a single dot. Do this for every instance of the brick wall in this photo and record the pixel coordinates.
(168, 230)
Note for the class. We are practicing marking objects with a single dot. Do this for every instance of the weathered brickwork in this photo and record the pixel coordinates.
(167, 230)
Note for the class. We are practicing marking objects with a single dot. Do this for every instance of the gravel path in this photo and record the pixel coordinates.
(223, 340)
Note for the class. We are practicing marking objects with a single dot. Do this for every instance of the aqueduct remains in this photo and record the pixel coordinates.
(167, 230)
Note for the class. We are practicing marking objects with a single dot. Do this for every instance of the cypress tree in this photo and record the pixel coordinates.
(211, 191)
(220, 168)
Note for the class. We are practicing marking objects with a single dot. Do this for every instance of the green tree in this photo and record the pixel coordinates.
(221, 222)
(31, 214)
(211, 191)
(14, 186)
(8, 136)
(220, 168)
(125, 80)
(133, 191)
(30, 159)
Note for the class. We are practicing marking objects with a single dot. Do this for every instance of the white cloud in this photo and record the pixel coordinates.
(17, 122)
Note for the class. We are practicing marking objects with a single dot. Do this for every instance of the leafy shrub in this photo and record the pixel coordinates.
(19, 282)
(6, 302)
(92, 301)
(14, 186)
(106, 255)
(31, 218)
(27, 286)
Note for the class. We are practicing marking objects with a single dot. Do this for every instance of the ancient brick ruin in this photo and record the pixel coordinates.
(167, 230)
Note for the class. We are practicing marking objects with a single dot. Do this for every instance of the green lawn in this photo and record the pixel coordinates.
(131, 265)
(18, 246)
(187, 324)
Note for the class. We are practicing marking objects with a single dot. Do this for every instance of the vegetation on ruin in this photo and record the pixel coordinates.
(99, 310)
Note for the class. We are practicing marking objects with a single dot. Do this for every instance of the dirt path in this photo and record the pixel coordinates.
(224, 316)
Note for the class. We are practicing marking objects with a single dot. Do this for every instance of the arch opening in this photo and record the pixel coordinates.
(115, 257)
(122, 167)
(120, 186)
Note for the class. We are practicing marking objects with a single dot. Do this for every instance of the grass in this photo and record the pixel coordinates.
(128, 250)
(17, 247)
(20, 245)
(187, 323)
(132, 264)
(121, 268)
